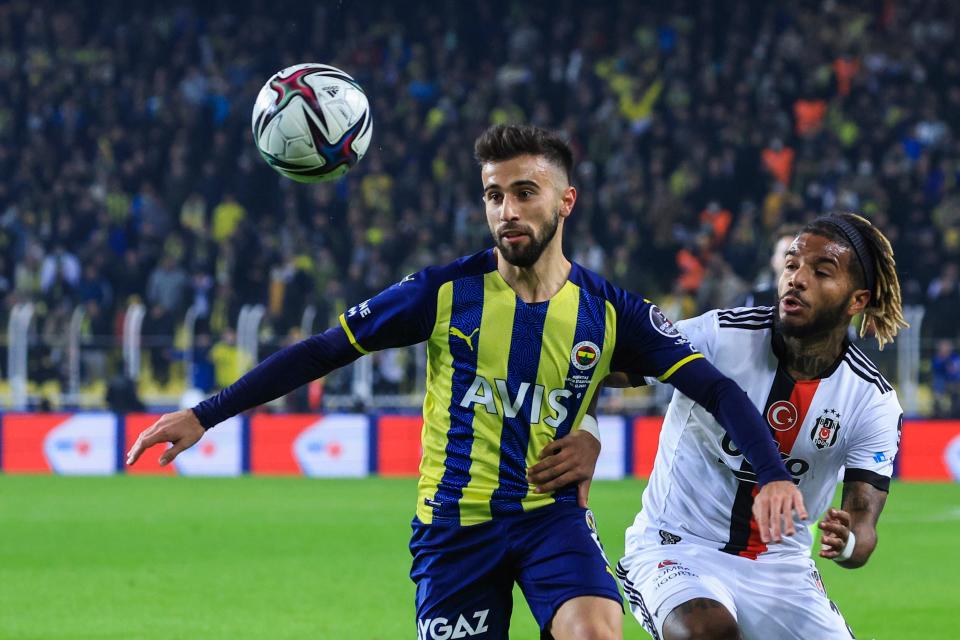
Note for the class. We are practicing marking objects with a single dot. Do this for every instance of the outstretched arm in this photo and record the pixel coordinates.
(859, 513)
(276, 376)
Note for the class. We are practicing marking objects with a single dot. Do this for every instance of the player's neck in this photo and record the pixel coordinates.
(807, 358)
(542, 280)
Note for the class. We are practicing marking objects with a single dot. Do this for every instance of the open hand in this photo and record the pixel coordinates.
(836, 532)
(773, 509)
(181, 428)
(566, 461)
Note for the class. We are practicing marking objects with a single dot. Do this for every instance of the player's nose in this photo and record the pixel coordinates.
(509, 210)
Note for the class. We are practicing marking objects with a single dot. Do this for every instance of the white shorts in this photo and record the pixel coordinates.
(770, 600)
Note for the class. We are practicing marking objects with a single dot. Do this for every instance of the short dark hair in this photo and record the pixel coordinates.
(502, 142)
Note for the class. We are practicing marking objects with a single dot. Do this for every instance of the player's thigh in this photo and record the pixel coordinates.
(464, 584)
(682, 584)
(560, 558)
(788, 601)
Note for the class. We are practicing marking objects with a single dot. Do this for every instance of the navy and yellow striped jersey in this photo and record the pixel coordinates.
(505, 378)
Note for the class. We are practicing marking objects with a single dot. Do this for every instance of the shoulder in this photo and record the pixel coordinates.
(429, 280)
(746, 318)
(872, 381)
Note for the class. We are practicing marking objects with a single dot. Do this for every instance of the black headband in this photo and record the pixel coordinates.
(860, 247)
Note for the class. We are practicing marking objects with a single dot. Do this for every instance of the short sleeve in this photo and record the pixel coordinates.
(701, 331)
(400, 315)
(874, 444)
(648, 344)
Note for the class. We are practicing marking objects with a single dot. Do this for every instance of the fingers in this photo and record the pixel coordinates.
(559, 475)
(798, 505)
(547, 469)
(145, 440)
(583, 493)
(836, 528)
(762, 514)
(559, 482)
(551, 449)
(172, 452)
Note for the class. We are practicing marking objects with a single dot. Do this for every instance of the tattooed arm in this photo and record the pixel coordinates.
(861, 505)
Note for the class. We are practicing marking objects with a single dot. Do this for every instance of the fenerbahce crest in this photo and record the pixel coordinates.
(585, 355)
(824, 432)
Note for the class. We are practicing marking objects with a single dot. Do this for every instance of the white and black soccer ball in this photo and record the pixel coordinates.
(311, 122)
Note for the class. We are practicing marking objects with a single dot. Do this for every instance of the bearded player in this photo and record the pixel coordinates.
(518, 340)
(695, 566)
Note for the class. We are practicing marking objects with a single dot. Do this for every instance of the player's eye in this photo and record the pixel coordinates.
(494, 196)
(526, 194)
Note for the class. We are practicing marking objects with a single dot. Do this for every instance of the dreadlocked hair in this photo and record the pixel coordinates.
(884, 313)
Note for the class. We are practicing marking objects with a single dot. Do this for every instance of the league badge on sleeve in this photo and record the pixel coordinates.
(662, 323)
(824, 432)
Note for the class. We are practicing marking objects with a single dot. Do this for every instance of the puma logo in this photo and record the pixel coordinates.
(466, 338)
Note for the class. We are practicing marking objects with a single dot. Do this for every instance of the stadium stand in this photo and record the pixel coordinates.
(129, 175)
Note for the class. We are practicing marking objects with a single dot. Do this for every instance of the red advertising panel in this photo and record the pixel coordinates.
(646, 437)
(930, 450)
(148, 462)
(332, 446)
(69, 444)
(398, 445)
(219, 452)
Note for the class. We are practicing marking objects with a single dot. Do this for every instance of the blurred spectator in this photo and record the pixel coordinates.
(122, 396)
(945, 369)
(167, 286)
(136, 159)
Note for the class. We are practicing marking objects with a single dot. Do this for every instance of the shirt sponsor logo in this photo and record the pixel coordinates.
(585, 355)
(796, 466)
(496, 395)
(880, 456)
(782, 415)
(443, 629)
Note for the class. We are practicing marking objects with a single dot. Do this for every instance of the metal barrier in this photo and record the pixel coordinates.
(18, 335)
(132, 338)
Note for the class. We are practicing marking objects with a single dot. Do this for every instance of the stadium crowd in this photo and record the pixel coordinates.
(129, 173)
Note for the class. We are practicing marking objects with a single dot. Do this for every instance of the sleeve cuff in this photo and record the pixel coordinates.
(353, 340)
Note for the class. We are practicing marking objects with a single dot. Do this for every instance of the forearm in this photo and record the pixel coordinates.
(700, 381)
(866, 541)
(278, 375)
(864, 502)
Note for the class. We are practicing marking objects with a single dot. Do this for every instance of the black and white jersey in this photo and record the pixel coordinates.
(701, 489)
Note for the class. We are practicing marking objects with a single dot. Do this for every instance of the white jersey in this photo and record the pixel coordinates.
(701, 489)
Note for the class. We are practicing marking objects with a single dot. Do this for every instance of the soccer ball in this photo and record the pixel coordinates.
(311, 122)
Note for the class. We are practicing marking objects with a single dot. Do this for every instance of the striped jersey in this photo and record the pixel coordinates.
(505, 378)
(701, 489)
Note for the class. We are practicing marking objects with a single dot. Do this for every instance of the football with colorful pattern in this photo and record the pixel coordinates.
(311, 122)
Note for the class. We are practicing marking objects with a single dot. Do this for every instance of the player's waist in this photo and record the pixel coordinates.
(475, 505)
(645, 533)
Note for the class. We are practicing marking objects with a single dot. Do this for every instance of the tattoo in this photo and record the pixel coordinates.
(809, 358)
(863, 502)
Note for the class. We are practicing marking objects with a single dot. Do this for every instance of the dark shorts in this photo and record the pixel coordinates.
(465, 575)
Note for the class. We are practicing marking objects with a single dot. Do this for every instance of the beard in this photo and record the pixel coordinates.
(823, 321)
(527, 255)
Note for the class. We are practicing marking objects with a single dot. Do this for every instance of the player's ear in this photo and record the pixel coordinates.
(859, 301)
(568, 198)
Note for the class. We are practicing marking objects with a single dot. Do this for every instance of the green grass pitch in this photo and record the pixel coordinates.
(253, 557)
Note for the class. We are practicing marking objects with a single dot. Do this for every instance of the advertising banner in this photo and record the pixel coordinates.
(219, 452)
(930, 450)
(68, 444)
(398, 445)
(335, 445)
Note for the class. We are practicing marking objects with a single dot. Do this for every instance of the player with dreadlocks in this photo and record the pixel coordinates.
(695, 565)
